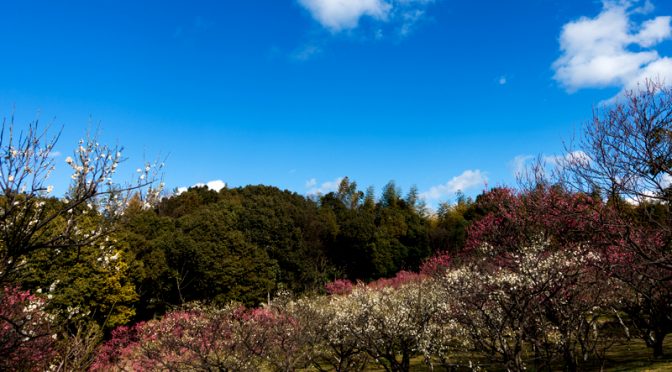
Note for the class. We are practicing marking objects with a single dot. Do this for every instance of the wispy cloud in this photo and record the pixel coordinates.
(571, 157)
(311, 183)
(410, 17)
(522, 164)
(306, 52)
(214, 185)
(341, 15)
(613, 49)
(323, 188)
(467, 180)
(519, 164)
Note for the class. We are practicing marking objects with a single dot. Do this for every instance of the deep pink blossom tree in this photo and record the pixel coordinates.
(192, 339)
(27, 340)
(625, 157)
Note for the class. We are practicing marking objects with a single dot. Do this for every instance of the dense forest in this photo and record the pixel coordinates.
(550, 275)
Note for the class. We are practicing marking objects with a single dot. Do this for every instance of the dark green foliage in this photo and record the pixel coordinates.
(81, 286)
(242, 244)
(376, 240)
(88, 281)
(239, 244)
(290, 228)
(187, 202)
(211, 260)
(449, 233)
(143, 234)
(197, 256)
(352, 249)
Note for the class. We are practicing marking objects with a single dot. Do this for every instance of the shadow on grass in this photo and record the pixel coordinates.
(631, 356)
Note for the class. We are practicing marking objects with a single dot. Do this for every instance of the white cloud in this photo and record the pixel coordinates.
(340, 15)
(468, 179)
(502, 80)
(612, 50)
(324, 188)
(524, 165)
(337, 15)
(214, 185)
(519, 164)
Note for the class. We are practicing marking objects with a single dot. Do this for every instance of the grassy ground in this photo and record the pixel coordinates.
(632, 356)
(635, 356)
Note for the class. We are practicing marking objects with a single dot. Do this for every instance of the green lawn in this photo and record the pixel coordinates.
(635, 356)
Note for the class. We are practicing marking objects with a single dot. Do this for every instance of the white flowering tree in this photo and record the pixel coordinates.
(392, 321)
(534, 305)
(327, 318)
(33, 221)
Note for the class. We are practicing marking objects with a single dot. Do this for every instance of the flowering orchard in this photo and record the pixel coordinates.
(538, 310)
(382, 324)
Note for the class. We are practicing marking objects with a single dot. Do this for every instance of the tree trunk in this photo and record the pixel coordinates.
(659, 337)
(405, 361)
(516, 363)
(570, 361)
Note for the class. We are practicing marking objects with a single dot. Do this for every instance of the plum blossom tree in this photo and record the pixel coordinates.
(29, 222)
(280, 337)
(26, 335)
(626, 149)
(195, 338)
(534, 264)
(530, 304)
(32, 221)
(392, 320)
(336, 347)
(514, 219)
(204, 338)
(646, 295)
(625, 157)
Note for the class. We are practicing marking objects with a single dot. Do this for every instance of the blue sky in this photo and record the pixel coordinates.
(441, 94)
